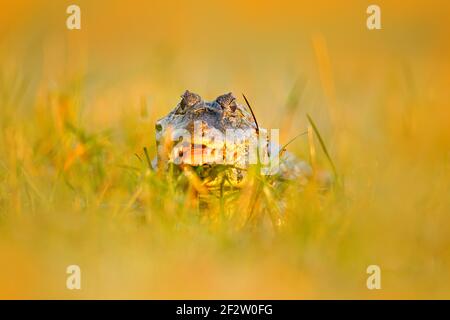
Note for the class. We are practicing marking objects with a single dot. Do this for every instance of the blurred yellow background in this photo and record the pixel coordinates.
(77, 105)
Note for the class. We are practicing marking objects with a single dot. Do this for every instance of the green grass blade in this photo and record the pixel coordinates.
(324, 148)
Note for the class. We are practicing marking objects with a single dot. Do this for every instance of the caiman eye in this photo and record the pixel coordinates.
(233, 106)
(188, 99)
(227, 101)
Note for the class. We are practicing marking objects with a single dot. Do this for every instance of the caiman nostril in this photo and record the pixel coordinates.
(158, 127)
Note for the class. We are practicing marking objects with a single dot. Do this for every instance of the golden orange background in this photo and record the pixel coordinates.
(380, 97)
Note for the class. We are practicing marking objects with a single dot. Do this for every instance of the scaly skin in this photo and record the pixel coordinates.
(221, 114)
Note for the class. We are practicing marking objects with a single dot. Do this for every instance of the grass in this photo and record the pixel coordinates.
(69, 196)
(77, 186)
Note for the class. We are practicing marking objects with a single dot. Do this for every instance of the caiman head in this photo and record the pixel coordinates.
(192, 135)
(194, 132)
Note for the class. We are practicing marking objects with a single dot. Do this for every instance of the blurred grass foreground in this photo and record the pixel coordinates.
(77, 107)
